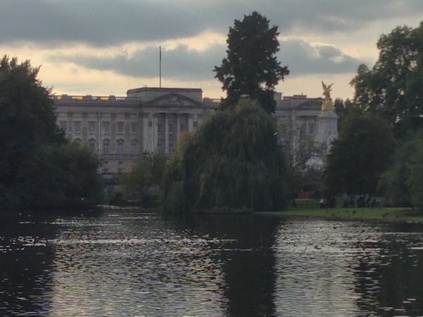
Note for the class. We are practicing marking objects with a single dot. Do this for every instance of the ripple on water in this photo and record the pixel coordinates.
(127, 264)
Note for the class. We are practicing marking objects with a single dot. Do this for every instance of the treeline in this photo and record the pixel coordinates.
(380, 146)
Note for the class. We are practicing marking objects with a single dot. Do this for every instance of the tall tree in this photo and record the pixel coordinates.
(361, 153)
(251, 68)
(393, 86)
(27, 120)
(35, 161)
(232, 161)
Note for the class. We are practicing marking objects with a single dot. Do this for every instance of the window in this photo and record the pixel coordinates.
(106, 127)
(106, 146)
(183, 127)
(159, 127)
(150, 124)
(133, 127)
(63, 125)
(134, 148)
(120, 146)
(303, 130)
(91, 144)
(311, 128)
(194, 124)
(77, 126)
(91, 127)
(120, 127)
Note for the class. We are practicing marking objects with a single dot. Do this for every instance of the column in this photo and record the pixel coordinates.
(155, 134)
(166, 133)
(178, 126)
(145, 134)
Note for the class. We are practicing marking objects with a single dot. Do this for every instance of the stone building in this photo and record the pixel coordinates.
(149, 120)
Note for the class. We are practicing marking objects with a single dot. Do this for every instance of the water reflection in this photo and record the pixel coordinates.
(327, 268)
(247, 259)
(129, 263)
(123, 266)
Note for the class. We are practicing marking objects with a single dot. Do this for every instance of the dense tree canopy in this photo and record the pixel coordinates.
(37, 166)
(251, 68)
(232, 161)
(146, 174)
(402, 183)
(393, 87)
(415, 181)
(361, 153)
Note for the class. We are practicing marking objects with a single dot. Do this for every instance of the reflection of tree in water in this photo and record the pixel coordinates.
(25, 278)
(247, 260)
(389, 276)
(250, 275)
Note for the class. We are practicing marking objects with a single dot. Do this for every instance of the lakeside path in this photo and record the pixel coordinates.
(371, 214)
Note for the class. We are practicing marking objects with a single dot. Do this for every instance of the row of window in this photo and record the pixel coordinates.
(92, 127)
(105, 127)
(105, 148)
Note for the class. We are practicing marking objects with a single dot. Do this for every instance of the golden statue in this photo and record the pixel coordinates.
(327, 104)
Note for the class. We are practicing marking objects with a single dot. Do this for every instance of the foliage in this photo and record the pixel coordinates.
(393, 183)
(393, 86)
(415, 181)
(299, 148)
(402, 182)
(232, 161)
(81, 182)
(146, 174)
(251, 68)
(343, 108)
(360, 155)
(37, 167)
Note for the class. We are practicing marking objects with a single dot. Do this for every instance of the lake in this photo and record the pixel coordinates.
(127, 262)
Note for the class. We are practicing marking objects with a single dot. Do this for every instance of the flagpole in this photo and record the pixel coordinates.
(160, 67)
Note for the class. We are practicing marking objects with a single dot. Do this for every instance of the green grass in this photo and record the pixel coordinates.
(310, 208)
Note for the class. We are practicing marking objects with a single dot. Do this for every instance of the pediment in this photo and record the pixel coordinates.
(172, 100)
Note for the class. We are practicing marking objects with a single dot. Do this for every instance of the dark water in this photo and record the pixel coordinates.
(129, 263)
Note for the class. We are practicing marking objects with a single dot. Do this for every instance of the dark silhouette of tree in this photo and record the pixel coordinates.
(402, 183)
(393, 86)
(37, 166)
(146, 173)
(232, 161)
(251, 68)
(362, 152)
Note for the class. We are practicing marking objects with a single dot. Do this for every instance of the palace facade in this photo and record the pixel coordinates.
(147, 120)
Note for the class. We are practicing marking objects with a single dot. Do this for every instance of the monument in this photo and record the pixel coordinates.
(328, 121)
(327, 128)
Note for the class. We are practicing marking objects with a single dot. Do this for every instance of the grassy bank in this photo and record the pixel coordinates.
(310, 208)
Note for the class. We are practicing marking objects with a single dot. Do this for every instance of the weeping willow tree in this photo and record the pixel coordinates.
(232, 162)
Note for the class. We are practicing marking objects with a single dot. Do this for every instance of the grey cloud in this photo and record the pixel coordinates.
(111, 22)
(97, 23)
(180, 63)
(303, 58)
(184, 64)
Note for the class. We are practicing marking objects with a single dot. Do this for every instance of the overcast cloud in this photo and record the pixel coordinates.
(323, 38)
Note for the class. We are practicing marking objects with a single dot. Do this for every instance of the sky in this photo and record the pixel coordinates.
(105, 47)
